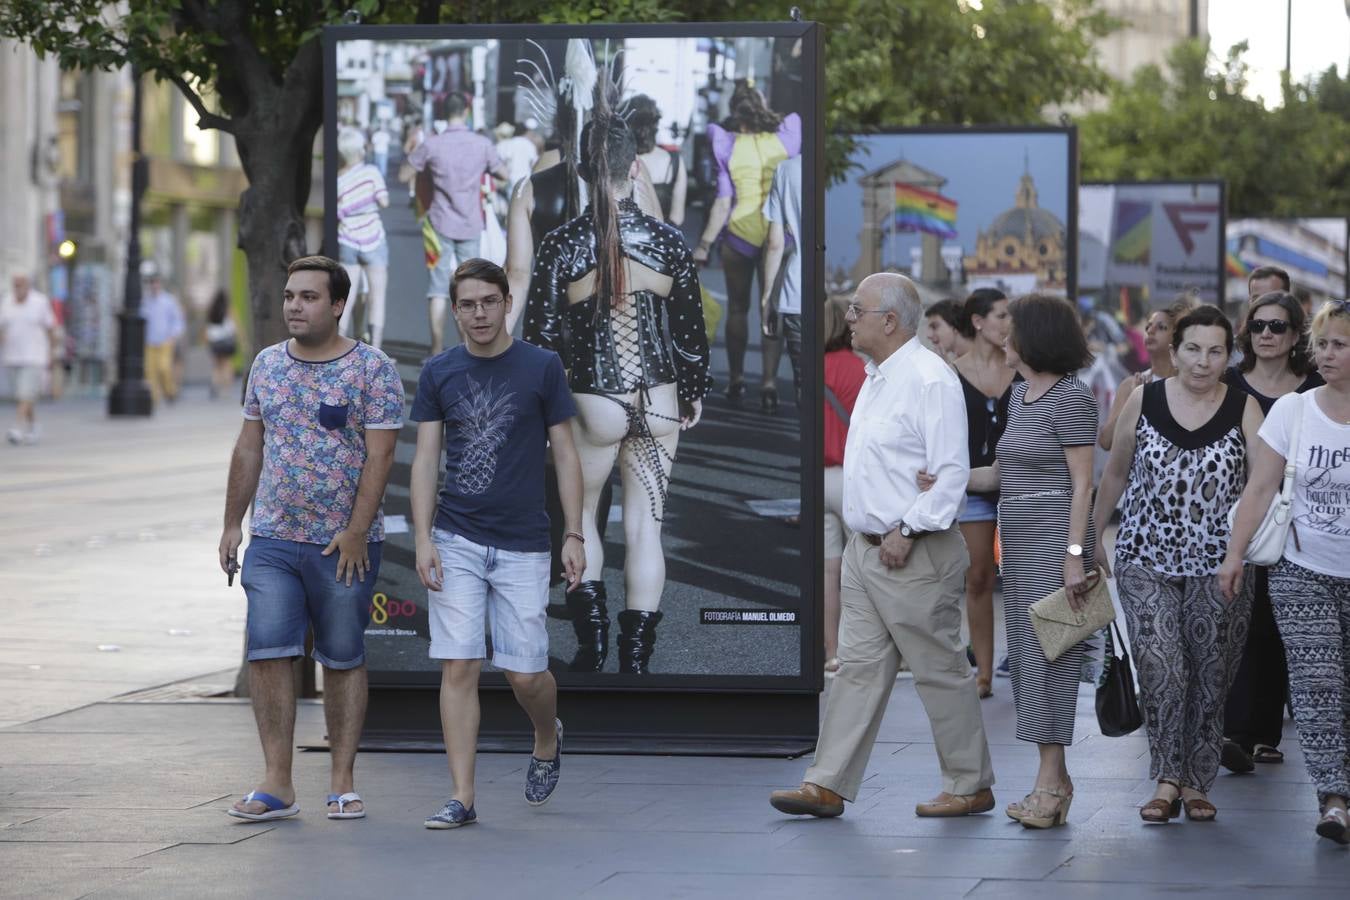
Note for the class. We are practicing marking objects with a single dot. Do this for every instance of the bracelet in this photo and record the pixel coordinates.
(574, 534)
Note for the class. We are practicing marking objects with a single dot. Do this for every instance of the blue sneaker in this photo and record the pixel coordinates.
(542, 775)
(452, 815)
(1002, 670)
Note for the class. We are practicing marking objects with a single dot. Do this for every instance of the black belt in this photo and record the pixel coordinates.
(875, 539)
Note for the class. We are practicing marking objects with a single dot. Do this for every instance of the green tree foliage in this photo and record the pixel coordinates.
(1195, 122)
(253, 68)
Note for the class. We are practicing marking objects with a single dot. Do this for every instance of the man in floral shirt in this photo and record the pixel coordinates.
(321, 415)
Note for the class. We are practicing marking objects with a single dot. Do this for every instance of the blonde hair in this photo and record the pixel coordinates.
(1332, 309)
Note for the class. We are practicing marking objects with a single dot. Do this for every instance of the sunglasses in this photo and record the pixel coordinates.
(1256, 326)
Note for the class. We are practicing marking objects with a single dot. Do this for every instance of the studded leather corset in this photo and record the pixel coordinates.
(617, 351)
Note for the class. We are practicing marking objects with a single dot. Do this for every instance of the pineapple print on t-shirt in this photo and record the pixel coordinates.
(495, 414)
(484, 415)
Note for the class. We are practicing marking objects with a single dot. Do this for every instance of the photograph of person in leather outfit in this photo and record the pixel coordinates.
(615, 293)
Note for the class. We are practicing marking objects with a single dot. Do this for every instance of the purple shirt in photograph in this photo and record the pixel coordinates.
(457, 159)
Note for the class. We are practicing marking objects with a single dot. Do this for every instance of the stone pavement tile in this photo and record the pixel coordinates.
(112, 798)
(194, 721)
(1134, 890)
(1241, 848)
(48, 883)
(688, 770)
(23, 698)
(76, 855)
(36, 777)
(17, 815)
(702, 808)
(841, 850)
(778, 887)
(25, 749)
(197, 826)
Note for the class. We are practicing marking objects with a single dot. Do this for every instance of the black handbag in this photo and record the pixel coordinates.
(1117, 705)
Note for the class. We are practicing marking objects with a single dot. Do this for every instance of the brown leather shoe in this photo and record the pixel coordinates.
(945, 804)
(808, 800)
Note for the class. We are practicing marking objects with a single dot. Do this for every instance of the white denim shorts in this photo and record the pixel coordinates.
(482, 586)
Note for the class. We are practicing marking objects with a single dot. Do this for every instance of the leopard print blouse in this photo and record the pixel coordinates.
(1181, 485)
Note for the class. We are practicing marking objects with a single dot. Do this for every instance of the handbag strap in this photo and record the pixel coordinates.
(1120, 641)
(833, 399)
(1291, 461)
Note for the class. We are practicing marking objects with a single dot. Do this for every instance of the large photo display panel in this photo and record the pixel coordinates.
(715, 552)
(1152, 241)
(956, 210)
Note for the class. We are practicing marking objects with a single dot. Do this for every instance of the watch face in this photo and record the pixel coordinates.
(1075, 549)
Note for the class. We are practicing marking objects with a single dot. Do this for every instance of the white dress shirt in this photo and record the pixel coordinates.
(910, 415)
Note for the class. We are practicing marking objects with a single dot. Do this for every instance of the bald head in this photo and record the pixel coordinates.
(897, 293)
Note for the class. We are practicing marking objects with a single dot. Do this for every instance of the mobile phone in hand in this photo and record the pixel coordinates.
(231, 567)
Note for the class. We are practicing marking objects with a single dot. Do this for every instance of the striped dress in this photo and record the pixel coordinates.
(1033, 521)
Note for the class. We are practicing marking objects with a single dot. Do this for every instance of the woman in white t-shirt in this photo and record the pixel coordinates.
(1310, 586)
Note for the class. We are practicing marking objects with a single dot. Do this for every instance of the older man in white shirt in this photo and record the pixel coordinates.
(904, 568)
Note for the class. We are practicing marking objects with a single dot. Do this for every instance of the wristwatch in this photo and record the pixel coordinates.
(910, 534)
(1076, 550)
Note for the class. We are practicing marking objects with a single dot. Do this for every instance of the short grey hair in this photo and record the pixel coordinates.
(351, 146)
(898, 294)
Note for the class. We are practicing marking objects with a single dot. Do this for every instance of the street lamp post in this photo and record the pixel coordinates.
(130, 395)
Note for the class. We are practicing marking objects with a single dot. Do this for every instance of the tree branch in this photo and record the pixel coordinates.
(206, 118)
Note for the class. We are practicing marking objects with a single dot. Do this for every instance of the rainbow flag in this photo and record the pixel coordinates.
(1134, 233)
(1234, 267)
(919, 210)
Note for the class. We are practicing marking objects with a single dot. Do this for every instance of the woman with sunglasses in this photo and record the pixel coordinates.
(1310, 585)
(1275, 362)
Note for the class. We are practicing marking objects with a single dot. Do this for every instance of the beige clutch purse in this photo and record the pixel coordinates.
(1059, 628)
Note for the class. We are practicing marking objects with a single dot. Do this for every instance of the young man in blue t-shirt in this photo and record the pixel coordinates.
(321, 414)
(483, 552)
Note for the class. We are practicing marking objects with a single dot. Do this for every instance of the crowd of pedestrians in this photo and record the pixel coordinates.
(1199, 451)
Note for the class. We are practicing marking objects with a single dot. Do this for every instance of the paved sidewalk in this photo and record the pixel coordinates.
(108, 540)
(127, 800)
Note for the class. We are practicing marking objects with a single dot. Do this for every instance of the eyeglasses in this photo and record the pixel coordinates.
(1256, 326)
(855, 310)
(487, 304)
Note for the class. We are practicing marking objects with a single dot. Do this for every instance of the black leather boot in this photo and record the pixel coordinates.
(590, 622)
(637, 637)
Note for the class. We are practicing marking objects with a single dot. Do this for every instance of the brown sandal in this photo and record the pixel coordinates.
(1200, 810)
(1159, 811)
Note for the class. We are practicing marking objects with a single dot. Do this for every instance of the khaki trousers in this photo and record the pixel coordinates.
(914, 611)
(159, 371)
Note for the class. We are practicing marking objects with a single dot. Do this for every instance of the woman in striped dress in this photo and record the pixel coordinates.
(1044, 520)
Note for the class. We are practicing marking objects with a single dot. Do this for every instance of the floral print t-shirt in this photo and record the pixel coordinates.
(314, 417)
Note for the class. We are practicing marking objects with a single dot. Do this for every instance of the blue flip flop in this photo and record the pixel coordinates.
(342, 800)
(276, 809)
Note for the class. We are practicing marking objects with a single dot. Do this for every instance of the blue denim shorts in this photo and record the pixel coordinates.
(507, 589)
(290, 585)
(978, 508)
(376, 256)
(453, 253)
